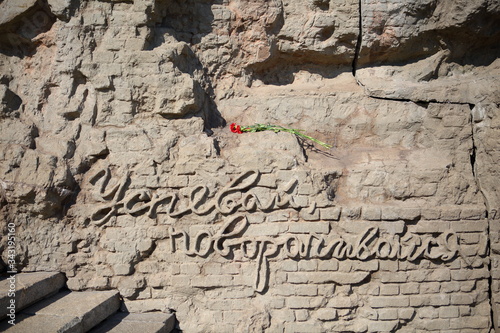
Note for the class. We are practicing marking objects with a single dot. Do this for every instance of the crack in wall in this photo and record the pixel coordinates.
(417, 101)
(358, 43)
(473, 162)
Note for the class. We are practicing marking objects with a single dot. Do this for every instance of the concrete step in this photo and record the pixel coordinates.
(29, 289)
(152, 322)
(66, 312)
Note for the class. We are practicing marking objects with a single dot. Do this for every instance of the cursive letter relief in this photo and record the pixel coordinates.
(368, 245)
(114, 195)
(236, 196)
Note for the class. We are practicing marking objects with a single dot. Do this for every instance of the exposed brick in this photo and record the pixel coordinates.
(473, 213)
(256, 218)
(306, 290)
(328, 265)
(301, 201)
(430, 288)
(388, 265)
(436, 325)
(303, 302)
(389, 301)
(212, 281)
(407, 266)
(330, 214)
(303, 327)
(406, 313)
(417, 276)
(469, 250)
(345, 265)
(390, 213)
(279, 216)
(393, 277)
(239, 292)
(388, 314)
(389, 289)
(465, 310)
(301, 315)
(309, 227)
(307, 265)
(305, 189)
(297, 277)
(374, 291)
(266, 229)
(474, 322)
(190, 269)
(469, 238)
(180, 280)
(409, 213)
(467, 286)
(325, 314)
(469, 226)
(371, 213)
(212, 268)
(284, 290)
(462, 299)
(450, 213)
(368, 313)
(289, 265)
(277, 303)
(431, 213)
(177, 181)
(432, 226)
(450, 287)
(343, 302)
(449, 312)
(353, 213)
(427, 313)
(232, 268)
(326, 289)
(382, 326)
(306, 215)
(430, 300)
(283, 315)
(367, 266)
(409, 288)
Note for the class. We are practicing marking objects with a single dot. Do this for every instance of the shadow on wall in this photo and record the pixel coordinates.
(19, 27)
(188, 21)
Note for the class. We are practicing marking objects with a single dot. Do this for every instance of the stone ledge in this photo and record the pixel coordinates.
(151, 322)
(66, 312)
(30, 288)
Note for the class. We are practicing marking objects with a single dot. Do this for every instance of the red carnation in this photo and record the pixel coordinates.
(275, 128)
(235, 128)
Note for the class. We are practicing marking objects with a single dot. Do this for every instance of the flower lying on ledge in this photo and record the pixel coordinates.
(275, 128)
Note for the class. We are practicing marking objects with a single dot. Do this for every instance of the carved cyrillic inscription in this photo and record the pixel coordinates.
(237, 195)
(368, 245)
(244, 195)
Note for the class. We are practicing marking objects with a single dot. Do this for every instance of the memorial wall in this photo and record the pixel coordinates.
(119, 167)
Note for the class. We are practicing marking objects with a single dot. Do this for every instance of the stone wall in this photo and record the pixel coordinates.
(118, 168)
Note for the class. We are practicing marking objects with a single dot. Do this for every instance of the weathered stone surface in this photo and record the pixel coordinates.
(12, 9)
(28, 289)
(153, 322)
(67, 312)
(116, 166)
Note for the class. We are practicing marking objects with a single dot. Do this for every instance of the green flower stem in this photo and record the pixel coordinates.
(276, 129)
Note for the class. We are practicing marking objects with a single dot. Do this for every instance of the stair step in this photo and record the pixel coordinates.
(30, 288)
(152, 322)
(71, 312)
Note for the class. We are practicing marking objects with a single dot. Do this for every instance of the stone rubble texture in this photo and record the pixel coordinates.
(106, 106)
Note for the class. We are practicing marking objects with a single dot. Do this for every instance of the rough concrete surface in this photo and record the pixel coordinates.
(118, 168)
(28, 289)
